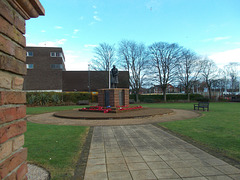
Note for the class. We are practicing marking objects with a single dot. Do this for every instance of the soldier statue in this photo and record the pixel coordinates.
(114, 77)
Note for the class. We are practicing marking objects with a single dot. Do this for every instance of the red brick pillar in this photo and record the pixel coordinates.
(12, 99)
(126, 96)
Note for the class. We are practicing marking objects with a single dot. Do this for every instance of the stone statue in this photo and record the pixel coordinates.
(114, 77)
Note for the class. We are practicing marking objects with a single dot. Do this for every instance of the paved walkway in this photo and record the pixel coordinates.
(147, 152)
(178, 114)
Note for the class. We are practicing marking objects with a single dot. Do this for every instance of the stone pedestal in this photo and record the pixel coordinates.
(113, 97)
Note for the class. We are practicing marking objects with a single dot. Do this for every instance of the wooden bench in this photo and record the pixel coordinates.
(203, 105)
(83, 102)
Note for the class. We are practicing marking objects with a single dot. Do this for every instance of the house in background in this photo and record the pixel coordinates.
(44, 68)
(46, 72)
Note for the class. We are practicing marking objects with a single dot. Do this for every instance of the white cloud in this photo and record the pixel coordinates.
(225, 57)
(222, 38)
(58, 27)
(216, 39)
(76, 60)
(94, 7)
(92, 23)
(56, 43)
(95, 12)
(75, 31)
(96, 18)
(61, 41)
(75, 37)
(43, 31)
(81, 18)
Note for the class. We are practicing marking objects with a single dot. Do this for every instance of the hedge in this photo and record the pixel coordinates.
(170, 97)
(58, 98)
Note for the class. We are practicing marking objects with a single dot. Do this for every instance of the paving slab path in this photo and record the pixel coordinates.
(147, 152)
(135, 149)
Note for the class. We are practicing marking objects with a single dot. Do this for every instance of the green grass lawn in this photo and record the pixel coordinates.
(219, 128)
(56, 148)
(40, 110)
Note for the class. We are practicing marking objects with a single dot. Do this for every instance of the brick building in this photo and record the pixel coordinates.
(91, 80)
(12, 69)
(44, 68)
(46, 72)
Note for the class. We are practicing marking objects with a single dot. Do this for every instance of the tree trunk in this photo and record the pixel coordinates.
(137, 98)
(164, 94)
(188, 96)
(209, 92)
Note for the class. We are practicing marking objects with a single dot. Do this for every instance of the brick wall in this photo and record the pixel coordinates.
(12, 99)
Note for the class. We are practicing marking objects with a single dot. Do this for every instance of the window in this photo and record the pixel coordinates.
(29, 53)
(56, 66)
(55, 54)
(30, 66)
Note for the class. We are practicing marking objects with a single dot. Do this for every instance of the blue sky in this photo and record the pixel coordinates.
(209, 27)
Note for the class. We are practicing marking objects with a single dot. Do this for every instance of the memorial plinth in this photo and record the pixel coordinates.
(113, 97)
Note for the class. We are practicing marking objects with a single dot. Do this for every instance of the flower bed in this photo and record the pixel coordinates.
(110, 109)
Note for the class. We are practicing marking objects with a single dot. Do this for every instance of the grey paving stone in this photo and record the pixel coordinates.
(222, 177)
(117, 167)
(119, 175)
(178, 164)
(196, 163)
(165, 174)
(152, 158)
(195, 178)
(99, 176)
(133, 159)
(169, 157)
(143, 175)
(137, 166)
(147, 153)
(114, 160)
(187, 172)
(162, 151)
(112, 150)
(143, 148)
(228, 169)
(186, 156)
(215, 162)
(114, 154)
(96, 161)
(95, 169)
(235, 176)
(130, 153)
(208, 171)
(96, 155)
(97, 151)
(158, 165)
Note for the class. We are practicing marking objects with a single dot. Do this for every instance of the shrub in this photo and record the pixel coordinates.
(170, 97)
(56, 98)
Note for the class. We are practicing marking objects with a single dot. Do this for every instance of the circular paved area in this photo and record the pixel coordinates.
(173, 115)
(91, 115)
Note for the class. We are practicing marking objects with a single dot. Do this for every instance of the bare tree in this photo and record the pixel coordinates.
(164, 58)
(104, 53)
(188, 70)
(209, 73)
(134, 59)
(232, 72)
